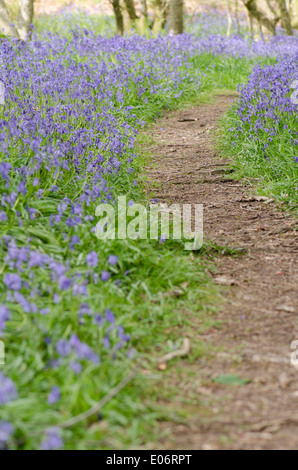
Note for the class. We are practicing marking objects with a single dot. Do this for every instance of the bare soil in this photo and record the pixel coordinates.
(258, 316)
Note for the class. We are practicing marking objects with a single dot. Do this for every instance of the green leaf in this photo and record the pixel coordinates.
(231, 380)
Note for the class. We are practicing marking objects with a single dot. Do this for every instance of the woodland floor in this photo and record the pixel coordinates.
(258, 316)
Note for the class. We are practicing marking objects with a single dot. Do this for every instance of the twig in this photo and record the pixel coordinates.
(96, 408)
(231, 271)
(187, 120)
(285, 228)
(184, 351)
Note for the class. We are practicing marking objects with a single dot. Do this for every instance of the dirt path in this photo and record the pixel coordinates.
(259, 314)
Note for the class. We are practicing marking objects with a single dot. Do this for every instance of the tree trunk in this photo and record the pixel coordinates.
(130, 7)
(285, 17)
(127, 22)
(250, 23)
(143, 20)
(25, 18)
(6, 26)
(176, 16)
(158, 17)
(230, 20)
(262, 19)
(118, 16)
(294, 13)
(130, 16)
(237, 16)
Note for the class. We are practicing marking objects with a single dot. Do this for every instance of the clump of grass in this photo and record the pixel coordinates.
(260, 131)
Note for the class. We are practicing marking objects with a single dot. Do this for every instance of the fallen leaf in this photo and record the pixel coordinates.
(225, 281)
(177, 292)
(231, 380)
(285, 308)
(185, 285)
(284, 380)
